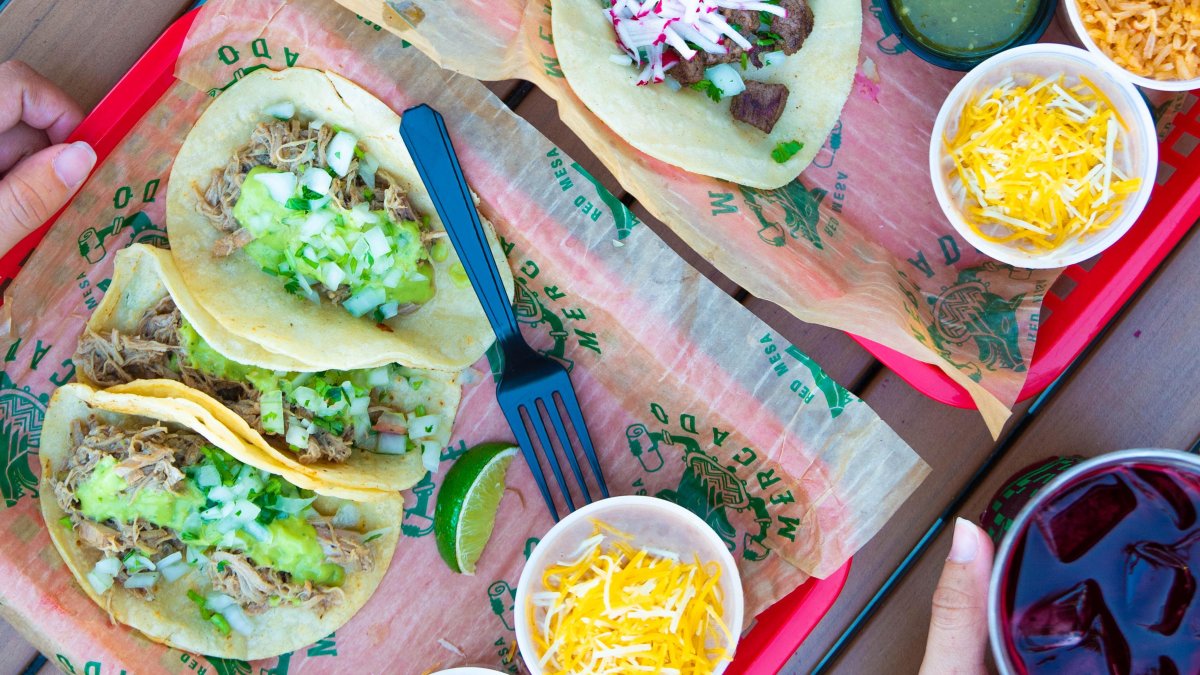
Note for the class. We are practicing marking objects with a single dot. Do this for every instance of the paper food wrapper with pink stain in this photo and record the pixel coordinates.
(857, 242)
(688, 396)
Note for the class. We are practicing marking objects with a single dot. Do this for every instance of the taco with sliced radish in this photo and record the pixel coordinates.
(367, 430)
(298, 220)
(742, 90)
(181, 530)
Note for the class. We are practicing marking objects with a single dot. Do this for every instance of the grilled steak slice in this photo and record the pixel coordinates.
(795, 27)
(747, 20)
(688, 72)
(761, 105)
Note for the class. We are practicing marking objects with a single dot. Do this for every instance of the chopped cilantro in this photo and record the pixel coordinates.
(221, 623)
(65, 521)
(708, 88)
(368, 194)
(298, 204)
(311, 194)
(786, 150)
(331, 172)
(221, 565)
(292, 287)
(416, 384)
(358, 152)
(372, 537)
(766, 18)
(745, 60)
(188, 536)
(419, 411)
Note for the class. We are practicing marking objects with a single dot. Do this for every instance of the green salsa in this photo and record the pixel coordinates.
(291, 545)
(965, 27)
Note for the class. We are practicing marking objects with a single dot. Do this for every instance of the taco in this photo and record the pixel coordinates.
(294, 194)
(181, 531)
(740, 90)
(362, 430)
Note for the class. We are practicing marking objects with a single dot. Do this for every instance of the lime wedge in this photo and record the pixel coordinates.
(467, 504)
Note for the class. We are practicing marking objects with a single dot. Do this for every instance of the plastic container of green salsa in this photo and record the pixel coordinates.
(961, 34)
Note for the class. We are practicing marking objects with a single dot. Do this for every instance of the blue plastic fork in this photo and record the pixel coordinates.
(530, 384)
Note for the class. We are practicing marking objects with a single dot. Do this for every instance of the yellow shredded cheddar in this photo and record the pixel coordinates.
(1159, 39)
(617, 609)
(1035, 165)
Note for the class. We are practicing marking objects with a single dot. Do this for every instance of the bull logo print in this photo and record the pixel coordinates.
(228, 666)
(791, 211)
(237, 76)
(969, 311)
(890, 42)
(21, 414)
(418, 518)
(828, 154)
(91, 242)
(707, 488)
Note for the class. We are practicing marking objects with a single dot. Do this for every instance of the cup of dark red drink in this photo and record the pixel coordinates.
(1098, 572)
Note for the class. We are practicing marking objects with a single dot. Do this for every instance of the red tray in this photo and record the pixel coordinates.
(1089, 294)
(775, 634)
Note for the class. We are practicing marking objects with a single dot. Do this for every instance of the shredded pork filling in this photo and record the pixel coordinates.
(154, 352)
(153, 458)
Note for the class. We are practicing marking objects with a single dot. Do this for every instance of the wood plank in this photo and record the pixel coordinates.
(1136, 390)
(840, 356)
(15, 651)
(84, 50)
(686, 252)
(954, 443)
(542, 112)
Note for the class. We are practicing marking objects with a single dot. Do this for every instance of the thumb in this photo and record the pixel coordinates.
(40, 185)
(958, 635)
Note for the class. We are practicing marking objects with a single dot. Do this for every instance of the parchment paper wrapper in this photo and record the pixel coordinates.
(857, 243)
(688, 396)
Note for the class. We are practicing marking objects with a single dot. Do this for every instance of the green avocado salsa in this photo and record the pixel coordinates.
(334, 399)
(308, 240)
(965, 27)
(285, 541)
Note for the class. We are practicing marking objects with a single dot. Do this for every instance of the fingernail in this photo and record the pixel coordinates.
(966, 542)
(74, 163)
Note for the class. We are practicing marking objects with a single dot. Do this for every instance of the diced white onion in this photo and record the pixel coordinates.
(378, 242)
(281, 185)
(392, 444)
(297, 434)
(218, 601)
(367, 166)
(389, 309)
(271, 411)
(332, 275)
(431, 455)
(316, 222)
(257, 530)
(672, 84)
(292, 506)
(237, 619)
(138, 561)
(208, 476)
(359, 405)
(364, 301)
(110, 566)
(347, 516)
(423, 427)
(100, 582)
(379, 377)
(173, 572)
(317, 180)
(196, 557)
(221, 494)
(725, 77)
(340, 151)
(283, 110)
(770, 63)
(621, 59)
(141, 580)
(168, 560)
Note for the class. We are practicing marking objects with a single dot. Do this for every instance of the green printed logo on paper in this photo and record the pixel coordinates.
(791, 211)
(233, 54)
(502, 597)
(623, 218)
(91, 242)
(21, 415)
(890, 42)
(969, 311)
(418, 518)
(219, 666)
(539, 305)
(89, 668)
(837, 397)
(717, 492)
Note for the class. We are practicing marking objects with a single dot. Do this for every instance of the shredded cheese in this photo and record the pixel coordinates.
(618, 609)
(1036, 165)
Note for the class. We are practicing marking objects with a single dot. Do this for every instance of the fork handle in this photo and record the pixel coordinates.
(424, 133)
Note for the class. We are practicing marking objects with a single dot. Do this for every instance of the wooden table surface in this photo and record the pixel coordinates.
(1134, 387)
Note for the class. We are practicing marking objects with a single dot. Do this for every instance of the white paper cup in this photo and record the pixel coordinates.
(653, 523)
(1076, 20)
(1137, 158)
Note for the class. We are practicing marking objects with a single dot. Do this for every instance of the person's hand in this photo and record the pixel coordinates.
(958, 634)
(38, 173)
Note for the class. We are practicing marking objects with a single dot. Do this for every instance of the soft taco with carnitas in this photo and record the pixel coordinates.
(367, 430)
(299, 221)
(742, 90)
(179, 529)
